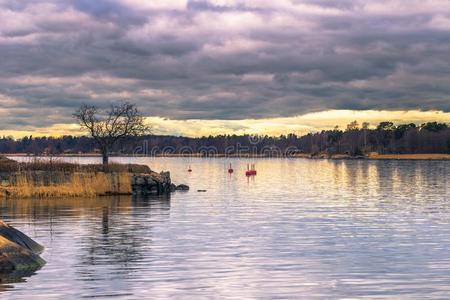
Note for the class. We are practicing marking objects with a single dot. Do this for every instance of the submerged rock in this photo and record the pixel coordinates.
(182, 187)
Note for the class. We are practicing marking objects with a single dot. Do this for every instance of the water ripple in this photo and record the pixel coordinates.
(299, 229)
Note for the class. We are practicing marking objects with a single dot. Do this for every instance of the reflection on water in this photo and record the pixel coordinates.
(16, 276)
(107, 236)
(317, 229)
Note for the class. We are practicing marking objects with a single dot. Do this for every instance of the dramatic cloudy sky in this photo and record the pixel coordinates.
(209, 66)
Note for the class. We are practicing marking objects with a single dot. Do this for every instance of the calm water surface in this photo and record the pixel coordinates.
(299, 229)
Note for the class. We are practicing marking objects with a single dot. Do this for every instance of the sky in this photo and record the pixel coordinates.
(224, 66)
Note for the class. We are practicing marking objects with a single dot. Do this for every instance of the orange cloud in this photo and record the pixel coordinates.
(300, 125)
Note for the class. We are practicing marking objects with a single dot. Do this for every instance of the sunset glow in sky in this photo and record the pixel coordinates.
(224, 66)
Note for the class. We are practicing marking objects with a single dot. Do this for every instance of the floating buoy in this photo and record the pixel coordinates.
(230, 169)
(250, 171)
(189, 170)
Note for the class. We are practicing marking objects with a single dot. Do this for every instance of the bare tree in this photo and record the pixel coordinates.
(365, 128)
(108, 127)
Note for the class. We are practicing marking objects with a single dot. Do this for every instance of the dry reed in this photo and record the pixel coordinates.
(56, 165)
(54, 178)
(77, 184)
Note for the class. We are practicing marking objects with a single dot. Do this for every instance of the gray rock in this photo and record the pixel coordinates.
(19, 238)
(182, 187)
(152, 184)
(18, 251)
(140, 180)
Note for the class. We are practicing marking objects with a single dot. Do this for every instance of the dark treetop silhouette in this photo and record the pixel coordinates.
(107, 128)
(386, 138)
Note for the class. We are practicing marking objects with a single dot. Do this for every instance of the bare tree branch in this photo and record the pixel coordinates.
(121, 121)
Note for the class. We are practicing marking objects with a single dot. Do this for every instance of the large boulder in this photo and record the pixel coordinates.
(14, 257)
(152, 183)
(18, 252)
(19, 238)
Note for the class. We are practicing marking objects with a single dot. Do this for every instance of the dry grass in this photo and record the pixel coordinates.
(54, 178)
(74, 185)
(56, 165)
(410, 156)
(301, 155)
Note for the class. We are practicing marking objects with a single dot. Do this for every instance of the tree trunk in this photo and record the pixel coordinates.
(105, 157)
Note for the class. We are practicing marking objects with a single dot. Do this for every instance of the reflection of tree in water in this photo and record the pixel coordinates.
(113, 235)
(117, 240)
(53, 209)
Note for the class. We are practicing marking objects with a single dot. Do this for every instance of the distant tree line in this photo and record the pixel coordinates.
(355, 139)
(386, 138)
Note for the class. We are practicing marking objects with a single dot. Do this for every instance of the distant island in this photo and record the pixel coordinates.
(425, 141)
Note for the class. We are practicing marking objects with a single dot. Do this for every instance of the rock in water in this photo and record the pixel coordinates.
(19, 238)
(18, 251)
(14, 257)
(182, 187)
(154, 184)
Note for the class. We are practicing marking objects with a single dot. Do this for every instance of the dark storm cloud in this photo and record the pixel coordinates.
(222, 59)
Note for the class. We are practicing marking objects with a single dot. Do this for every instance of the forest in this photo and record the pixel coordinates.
(355, 140)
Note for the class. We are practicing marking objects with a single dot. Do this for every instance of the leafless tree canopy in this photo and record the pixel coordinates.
(107, 128)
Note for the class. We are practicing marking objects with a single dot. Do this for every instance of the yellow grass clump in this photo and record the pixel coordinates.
(69, 185)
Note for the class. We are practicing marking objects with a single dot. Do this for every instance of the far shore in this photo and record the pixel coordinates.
(431, 156)
(372, 156)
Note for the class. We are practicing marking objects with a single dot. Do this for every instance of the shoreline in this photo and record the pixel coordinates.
(423, 156)
(37, 179)
(430, 156)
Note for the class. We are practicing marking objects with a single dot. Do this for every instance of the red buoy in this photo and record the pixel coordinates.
(230, 169)
(250, 172)
(189, 170)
